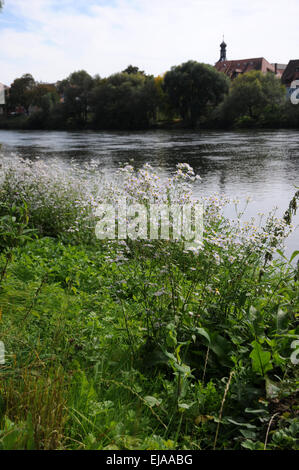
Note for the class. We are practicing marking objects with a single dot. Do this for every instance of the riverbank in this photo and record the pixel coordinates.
(23, 122)
(140, 345)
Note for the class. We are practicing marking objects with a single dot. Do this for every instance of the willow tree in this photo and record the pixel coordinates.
(192, 88)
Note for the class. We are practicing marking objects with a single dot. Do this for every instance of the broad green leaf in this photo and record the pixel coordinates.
(248, 444)
(248, 434)
(203, 332)
(245, 425)
(261, 359)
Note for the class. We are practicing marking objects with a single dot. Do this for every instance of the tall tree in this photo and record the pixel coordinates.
(125, 101)
(21, 91)
(76, 91)
(192, 87)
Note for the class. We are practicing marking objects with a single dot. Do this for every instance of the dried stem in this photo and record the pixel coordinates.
(268, 430)
(222, 406)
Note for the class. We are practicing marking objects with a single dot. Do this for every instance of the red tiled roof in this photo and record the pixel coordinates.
(231, 67)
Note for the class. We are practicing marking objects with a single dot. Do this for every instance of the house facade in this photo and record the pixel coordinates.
(3, 91)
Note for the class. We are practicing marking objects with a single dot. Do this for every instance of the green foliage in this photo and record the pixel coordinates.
(132, 344)
(290, 115)
(133, 70)
(75, 319)
(255, 99)
(194, 87)
(125, 101)
(261, 359)
(76, 90)
(191, 94)
(21, 92)
(17, 436)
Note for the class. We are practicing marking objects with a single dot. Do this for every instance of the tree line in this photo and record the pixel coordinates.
(190, 95)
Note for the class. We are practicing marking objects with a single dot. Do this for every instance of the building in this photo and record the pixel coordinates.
(233, 68)
(279, 69)
(3, 92)
(290, 76)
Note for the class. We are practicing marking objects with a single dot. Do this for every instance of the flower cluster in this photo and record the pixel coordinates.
(64, 198)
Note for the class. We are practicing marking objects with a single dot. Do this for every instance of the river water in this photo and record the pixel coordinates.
(260, 164)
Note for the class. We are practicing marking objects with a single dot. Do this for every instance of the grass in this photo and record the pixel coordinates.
(141, 345)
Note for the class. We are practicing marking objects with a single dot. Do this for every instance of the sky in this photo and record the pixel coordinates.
(52, 38)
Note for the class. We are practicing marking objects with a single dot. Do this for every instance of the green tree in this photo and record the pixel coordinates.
(76, 91)
(193, 88)
(164, 112)
(21, 92)
(125, 101)
(254, 98)
(131, 69)
(44, 96)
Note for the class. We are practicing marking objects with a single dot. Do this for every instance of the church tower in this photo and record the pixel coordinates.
(222, 51)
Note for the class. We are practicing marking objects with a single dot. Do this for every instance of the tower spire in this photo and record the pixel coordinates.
(222, 50)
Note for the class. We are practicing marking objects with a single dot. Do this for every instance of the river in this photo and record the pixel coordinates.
(261, 164)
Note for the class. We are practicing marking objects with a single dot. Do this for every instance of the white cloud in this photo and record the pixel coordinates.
(51, 38)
